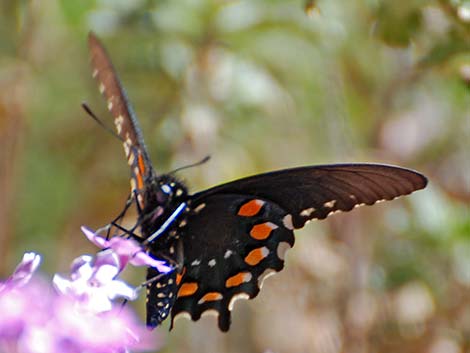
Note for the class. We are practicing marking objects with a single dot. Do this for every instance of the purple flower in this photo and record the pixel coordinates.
(36, 319)
(128, 250)
(59, 326)
(13, 305)
(93, 282)
(21, 307)
(23, 272)
(119, 328)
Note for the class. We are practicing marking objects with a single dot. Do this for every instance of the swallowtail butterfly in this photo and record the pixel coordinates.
(225, 240)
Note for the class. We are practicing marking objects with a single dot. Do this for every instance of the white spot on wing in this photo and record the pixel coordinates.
(133, 184)
(247, 278)
(126, 148)
(267, 273)
(359, 205)
(183, 314)
(140, 199)
(332, 213)
(118, 122)
(210, 312)
(287, 221)
(307, 212)
(282, 248)
(199, 207)
(212, 263)
(227, 254)
(329, 204)
(110, 104)
(101, 88)
(95, 73)
(235, 298)
(264, 251)
(196, 262)
(131, 159)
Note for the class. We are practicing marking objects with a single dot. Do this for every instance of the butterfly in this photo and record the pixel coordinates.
(224, 241)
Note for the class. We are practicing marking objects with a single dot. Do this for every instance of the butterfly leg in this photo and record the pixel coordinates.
(117, 219)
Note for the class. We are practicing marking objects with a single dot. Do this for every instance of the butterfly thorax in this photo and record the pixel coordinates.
(165, 207)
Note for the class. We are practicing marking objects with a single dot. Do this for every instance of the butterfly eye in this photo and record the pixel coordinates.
(166, 189)
(163, 194)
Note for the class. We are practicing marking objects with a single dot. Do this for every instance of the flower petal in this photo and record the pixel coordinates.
(61, 284)
(82, 267)
(121, 289)
(107, 257)
(24, 271)
(94, 238)
(143, 259)
(105, 274)
(124, 246)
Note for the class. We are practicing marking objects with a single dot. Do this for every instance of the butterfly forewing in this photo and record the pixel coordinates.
(315, 192)
(125, 120)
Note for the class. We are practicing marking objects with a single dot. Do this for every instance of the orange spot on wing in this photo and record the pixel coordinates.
(238, 279)
(141, 164)
(187, 289)
(256, 256)
(179, 276)
(140, 181)
(251, 208)
(262, 231)
(210, 297)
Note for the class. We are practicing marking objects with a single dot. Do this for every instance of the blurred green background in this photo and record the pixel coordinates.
(258, 85)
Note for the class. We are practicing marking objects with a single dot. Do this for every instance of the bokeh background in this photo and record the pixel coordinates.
(258, 85)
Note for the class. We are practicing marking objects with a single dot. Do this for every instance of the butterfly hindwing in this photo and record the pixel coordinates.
(231, 242)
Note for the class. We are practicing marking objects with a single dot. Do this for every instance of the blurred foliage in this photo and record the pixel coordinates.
(259, 85)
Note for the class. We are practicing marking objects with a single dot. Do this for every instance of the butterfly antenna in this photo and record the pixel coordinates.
(202, 161)
(87, 109)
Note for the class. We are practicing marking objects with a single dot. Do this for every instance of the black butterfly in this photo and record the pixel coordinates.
(225, 240)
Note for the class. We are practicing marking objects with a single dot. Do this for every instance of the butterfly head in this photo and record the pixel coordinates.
(165, 200)
(170, 190)
(164, 191)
